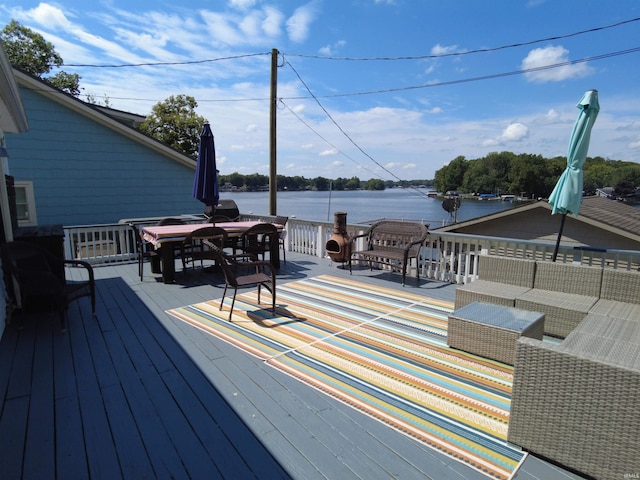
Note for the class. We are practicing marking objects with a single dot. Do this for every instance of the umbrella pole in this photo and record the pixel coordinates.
(555, 252)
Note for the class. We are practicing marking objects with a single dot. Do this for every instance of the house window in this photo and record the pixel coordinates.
(25, 204)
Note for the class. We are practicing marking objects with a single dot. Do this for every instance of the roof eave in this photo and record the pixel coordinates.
(99, 117)
(13, 118)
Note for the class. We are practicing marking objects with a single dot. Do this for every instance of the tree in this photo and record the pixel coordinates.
(451, 176)
(29, 51)
(176, 123)
(375, 184)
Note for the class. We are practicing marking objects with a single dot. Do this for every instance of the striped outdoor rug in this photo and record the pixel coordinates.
(383, 352)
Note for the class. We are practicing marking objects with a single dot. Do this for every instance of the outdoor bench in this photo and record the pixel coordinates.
(393, 243)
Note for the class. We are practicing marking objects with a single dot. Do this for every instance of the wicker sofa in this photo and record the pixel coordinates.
(578, 403)
(500, 281)
(393, 243)
(564, 292)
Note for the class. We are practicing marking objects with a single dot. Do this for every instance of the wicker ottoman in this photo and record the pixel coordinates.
(492, 331)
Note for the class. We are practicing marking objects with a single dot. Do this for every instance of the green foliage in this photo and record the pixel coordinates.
(175, 122)
(528, 175)
(30, 52)
(375, 184)
(68, 82)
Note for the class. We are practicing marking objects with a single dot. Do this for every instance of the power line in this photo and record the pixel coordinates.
(476, 79)
(429, 85)
(344, 132)
(418, 57)
(306, 124)
(469, 52)
(156, 64)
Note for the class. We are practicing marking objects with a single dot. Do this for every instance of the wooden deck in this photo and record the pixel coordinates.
(137, 394)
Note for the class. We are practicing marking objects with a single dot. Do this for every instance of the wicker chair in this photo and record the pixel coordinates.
(564, 293)
(259, 239)
(619, 295)
(282, 235)
(577, 403)
(196, 246)
(36, 279)
(500, 281)
(142, 250)
(242, 270)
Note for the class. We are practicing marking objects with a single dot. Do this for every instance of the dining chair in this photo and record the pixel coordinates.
(280, 220)
(259, 239)
(37, 280)
(219, 219)
(142, 250)
(196, 246)
(242, 270)
(173, 221)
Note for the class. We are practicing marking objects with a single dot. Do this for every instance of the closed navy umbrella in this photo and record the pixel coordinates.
(205, 182)
(567, 194)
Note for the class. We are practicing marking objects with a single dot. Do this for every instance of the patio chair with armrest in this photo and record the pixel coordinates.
(280, 220)
(195, 247)
(34, 280)
(242, 270)
(142, 250)
(173, 221)
(259, 239)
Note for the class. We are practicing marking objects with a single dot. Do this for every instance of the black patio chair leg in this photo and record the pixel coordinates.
(233, 302)
(224, 294)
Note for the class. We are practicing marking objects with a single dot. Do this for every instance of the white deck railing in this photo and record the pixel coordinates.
(450, 257)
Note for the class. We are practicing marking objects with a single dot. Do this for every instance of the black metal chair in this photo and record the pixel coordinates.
(259, 239)
(280, 220)
(219, 219)
(242, 270)
(36, 280)
(196, 246)
(173, 221)
(143, 250)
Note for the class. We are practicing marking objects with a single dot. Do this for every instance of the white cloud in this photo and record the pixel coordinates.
(272, 21)
(515, 132)
(242, 4)
(329, 50)
(552, 115)
(542, 57)
(442, 50)
(331, 151)
(298, 24)
(635, 144)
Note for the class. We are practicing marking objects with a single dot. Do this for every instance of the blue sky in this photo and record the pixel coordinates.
(387, 89)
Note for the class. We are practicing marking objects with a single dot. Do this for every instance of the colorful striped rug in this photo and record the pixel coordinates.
(383, 352)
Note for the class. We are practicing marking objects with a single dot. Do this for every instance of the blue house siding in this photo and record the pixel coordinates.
(84, 172)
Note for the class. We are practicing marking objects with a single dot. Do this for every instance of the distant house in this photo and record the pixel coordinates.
(602, 223)
(84, 164)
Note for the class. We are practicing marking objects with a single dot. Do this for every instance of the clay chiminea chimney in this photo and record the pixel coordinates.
(339, 244)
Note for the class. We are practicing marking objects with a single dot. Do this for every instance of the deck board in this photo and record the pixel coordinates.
(136, 393)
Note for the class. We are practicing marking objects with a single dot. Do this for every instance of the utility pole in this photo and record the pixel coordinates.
(273, 174)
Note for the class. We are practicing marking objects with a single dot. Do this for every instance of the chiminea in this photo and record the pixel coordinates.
(339, 245)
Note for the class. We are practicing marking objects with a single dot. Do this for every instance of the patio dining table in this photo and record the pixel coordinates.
(164, 238)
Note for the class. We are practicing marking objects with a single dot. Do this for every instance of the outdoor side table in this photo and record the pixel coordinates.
(492, 331)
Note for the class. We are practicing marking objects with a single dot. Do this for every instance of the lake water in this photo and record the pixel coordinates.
(362, 206)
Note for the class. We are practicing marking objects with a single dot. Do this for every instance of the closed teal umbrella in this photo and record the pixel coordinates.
(567, 194)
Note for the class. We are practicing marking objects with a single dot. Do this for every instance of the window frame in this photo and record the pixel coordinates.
(30, 198)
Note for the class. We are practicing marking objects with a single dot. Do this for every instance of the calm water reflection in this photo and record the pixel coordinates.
(363, 206)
